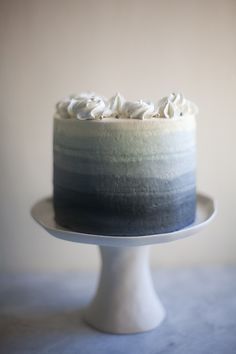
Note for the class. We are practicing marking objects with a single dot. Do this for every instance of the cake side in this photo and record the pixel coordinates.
(125, 177)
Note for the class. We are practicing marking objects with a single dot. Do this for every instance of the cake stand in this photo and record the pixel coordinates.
(125, 301)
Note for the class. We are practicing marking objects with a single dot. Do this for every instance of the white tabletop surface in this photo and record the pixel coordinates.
(43, 314)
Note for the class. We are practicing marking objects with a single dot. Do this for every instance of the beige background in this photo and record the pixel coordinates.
(144, 49)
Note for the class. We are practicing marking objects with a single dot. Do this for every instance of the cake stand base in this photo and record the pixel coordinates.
(125, 301)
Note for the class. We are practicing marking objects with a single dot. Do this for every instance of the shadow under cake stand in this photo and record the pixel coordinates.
(125, 300)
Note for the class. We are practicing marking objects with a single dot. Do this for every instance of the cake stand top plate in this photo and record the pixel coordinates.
(43, 214)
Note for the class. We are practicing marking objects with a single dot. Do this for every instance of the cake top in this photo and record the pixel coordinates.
(89, 106)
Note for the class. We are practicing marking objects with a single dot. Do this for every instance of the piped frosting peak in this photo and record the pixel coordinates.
(116, 104)
(175, 105)
(89, 106)
(138, 110)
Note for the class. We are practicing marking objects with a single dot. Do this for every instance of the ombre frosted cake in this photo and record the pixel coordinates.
(124, 168)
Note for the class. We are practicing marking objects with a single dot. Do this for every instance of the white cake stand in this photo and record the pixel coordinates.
(125, 301)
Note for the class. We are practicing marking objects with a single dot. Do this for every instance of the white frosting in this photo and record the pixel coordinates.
(86, 106)
(89, 106)
(138, 110)
(174, 106)
(116, 104)
(62, 107)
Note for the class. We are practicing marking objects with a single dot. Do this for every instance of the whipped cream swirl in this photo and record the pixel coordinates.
(116, 104)
(86, 106)
(62, 107)
(175, 105)
(89, 106)
(138, 110)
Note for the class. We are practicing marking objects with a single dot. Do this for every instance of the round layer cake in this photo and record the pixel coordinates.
(124, 168)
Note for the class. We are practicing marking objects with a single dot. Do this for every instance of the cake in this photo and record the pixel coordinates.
(124, 168)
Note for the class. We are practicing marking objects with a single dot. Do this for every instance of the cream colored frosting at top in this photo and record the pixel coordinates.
(115, 105)
(138, 110)
(86, 107)
(89, 106)
(174, 106)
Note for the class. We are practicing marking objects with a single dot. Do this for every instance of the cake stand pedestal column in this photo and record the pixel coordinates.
(125, 301)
